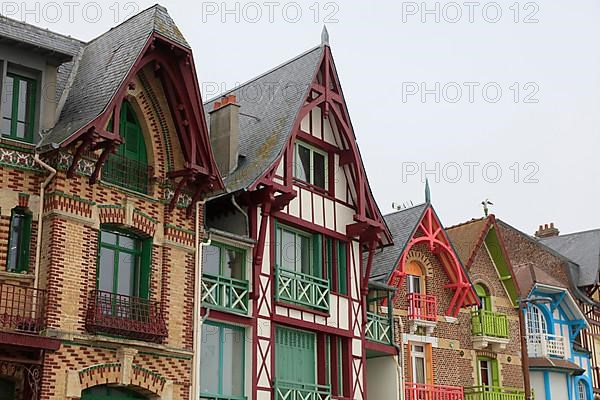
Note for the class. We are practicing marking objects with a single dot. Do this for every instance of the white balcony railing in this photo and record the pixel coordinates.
(545, 345)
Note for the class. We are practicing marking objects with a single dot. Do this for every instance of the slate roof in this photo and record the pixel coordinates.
(581, 247)
(402, 225)
(102, 68)
(62, 47)
(465, 237)
(269, 105)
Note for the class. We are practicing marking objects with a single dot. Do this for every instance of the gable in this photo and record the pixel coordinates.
(498, 256)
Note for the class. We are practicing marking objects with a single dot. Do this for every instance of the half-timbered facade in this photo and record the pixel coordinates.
(431, 303)
(104, 157)
(496, 346)
(297, 218)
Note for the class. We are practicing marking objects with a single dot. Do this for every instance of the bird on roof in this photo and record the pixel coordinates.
(485, 205)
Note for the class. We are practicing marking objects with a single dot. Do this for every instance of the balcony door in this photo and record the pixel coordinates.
(119, 264)
(418, 362)
(536, 322)
(488, 372)
(295, 357)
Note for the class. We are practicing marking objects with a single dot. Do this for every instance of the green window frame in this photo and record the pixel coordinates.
(311, 165)
(224, 253)
(19, 111)
(124, 262)
(223, 345)
(306, 250)
(484, 296)
(336, 253)
(19, 240)
(487, 369)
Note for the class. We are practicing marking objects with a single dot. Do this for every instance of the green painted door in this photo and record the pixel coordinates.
(295, 353)
(109, 393)
(134, 147)
(7, 389)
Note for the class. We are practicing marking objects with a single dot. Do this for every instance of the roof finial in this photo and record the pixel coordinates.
(427, 191)
(485, 205)
(324, 37)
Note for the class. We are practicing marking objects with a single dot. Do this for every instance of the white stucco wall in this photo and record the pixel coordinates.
(382, 378)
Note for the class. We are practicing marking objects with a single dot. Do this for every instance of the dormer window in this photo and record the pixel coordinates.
(18, 108)
(311, 165)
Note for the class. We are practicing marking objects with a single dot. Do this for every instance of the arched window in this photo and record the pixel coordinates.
(484, 297)
(415, 278)
(128, 167)
(536, 322)
(109, 393)
(582, 390)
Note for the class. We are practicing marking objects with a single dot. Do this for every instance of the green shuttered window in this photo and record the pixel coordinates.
(18, 108)
(295, 356)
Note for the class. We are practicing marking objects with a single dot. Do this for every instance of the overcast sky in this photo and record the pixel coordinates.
(461, 91)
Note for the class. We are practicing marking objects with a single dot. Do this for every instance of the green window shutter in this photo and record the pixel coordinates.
(317, 269)
(25, 242)
(295, 352)
(329, 260)
(342, 268)
(495, 373)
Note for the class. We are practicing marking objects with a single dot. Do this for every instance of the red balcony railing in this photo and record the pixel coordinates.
(421, 391)
(127, 316)
(22, 309)
(422, 306)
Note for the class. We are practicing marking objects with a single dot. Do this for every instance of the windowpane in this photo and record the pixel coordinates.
(304, 255)
(209, 359)
(303, 163)
(288, 250)
(232, 368)
(419, 369)
(108, 237)
(126, 242)
(21, 130)
(319, 177)
(22, 101)
(7, 100)
(234, 264)
(212, 260)
(106, 269)
(126, 281)
(14, 246)
(484, 370)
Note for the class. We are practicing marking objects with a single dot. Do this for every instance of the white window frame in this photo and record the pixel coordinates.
(311, 178)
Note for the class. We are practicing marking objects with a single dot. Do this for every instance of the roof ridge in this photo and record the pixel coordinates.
(460, 224)
(571, 233)
(262, 75)
(27, 24)
(404, 209)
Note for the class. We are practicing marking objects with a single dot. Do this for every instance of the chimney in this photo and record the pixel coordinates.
(225, 133)
(547, 231)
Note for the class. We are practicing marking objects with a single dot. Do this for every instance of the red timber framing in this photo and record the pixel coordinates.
(174, 65)
(431, 232)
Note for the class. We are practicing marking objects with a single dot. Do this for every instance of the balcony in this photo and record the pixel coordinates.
(493, 393)
(22, 309)
(422, 391)
(285, 390)
(422, 312)
(301, 289)
(545, 345)
(127, 173)
(379, 328)
(490, 329)
(227, 294)
(126, 316)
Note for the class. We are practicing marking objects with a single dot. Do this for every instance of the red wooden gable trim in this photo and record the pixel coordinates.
(174, 65)
(431, 232)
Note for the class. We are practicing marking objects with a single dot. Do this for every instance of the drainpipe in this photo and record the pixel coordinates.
(38, 244)
(198, 320)
(398, 347)
(524, 355)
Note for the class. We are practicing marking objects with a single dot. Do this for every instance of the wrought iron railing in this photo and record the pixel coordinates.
(494, 393)
(224, 293)
(544, 345)
(127, 316)
(286, 390)
(302, 289)
(22, 309)
(422, 391)
(378, 328)
(487, 323)
(422, 307)
(127, 173)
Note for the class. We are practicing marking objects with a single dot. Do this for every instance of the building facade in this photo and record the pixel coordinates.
(284, 283)
(104, 155)
(432, 302)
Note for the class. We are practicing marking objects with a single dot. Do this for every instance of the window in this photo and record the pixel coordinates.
(128, 167)
(311, 165)
(298, 251)
(222, 362)
(418, 363)
(581, 390)
(336, 364)
(488, 372)
(123, 264)
(18, 111)
(415, 278)
(536, 323)
(295, 356)
(226, 261)
(484, 297)
(337, 265)
(19, 240)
